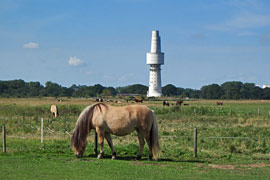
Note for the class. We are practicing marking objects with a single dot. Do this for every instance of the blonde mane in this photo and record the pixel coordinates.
(83, 125)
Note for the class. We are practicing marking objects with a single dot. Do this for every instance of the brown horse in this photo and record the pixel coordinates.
(119, 121)
(179, 102)
(219, 103)
(138, 100)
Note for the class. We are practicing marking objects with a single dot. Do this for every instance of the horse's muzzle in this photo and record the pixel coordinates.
(78, 156)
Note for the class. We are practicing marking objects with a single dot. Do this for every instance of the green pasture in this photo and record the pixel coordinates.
(233, 143)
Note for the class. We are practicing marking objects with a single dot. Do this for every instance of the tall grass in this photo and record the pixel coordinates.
(216, 127)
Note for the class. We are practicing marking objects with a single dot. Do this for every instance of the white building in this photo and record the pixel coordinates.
(155, 59)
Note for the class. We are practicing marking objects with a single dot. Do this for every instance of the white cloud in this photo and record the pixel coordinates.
(31, 45)
(74, 61)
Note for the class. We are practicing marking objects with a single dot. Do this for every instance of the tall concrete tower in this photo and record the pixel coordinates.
(155, 58)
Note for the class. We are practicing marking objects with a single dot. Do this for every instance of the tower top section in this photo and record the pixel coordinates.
(155, 44)
(155, 56)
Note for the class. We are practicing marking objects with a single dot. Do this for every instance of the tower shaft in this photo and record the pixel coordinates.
(155, 59)
(155, 81)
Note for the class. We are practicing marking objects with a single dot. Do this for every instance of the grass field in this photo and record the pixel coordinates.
(233, 142)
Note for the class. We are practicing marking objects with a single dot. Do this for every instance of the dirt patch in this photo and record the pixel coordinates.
(257, 165)
(216, 166)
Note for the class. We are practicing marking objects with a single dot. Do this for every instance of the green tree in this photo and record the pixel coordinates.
(266, 93)
(134, 89)
(191, 93)
(213, 91)
(232, 90)
(106, 93)
(112, 90)
(52, 89)
(180, 91)
(169, 90)
(34, 89)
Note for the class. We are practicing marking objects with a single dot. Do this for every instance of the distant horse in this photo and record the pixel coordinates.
(119, 121)
(99, 100)
(219, 103)
(179, 103)
(54, 111)
(166, 103)
(138, 100)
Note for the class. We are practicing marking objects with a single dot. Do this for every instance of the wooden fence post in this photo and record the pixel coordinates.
(65, 127)
(195, 143)
(41, 130)
(259, 111)
(4, 138)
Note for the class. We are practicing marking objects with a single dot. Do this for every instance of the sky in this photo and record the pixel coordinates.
(88, 42)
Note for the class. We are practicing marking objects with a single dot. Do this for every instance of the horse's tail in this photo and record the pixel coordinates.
(155, 138)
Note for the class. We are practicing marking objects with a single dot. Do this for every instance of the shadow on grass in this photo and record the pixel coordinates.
(133, 158)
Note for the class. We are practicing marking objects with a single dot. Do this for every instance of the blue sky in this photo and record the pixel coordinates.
(105, 42)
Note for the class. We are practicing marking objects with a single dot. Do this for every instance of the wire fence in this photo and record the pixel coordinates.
(47, 128)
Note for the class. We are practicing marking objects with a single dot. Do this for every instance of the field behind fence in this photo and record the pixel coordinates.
(238, 128)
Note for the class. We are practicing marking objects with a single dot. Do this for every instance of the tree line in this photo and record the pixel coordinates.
(20, 88)
(227, 90)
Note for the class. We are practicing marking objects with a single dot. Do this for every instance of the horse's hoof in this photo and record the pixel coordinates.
(99, 156)
(138, 158)
(113, 157)
(150, 158)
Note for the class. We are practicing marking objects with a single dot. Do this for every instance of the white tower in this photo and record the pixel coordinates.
(155, 58)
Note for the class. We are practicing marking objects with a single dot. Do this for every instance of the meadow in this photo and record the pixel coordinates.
(233, 142)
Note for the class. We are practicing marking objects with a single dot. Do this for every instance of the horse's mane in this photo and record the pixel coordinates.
(83, 125)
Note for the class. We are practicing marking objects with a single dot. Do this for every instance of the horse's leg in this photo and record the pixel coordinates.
(101, 142)
(109, 140)
(141, 142)
(148, 140)
(96, 142)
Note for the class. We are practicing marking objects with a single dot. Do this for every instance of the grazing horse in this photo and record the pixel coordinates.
(99, 100)
(179, 103)
(119, 121)
(54, 111)
(138, 100)
(166, 103)
(219, 103)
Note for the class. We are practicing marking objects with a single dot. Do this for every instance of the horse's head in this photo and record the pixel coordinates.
(78, 145)
(82, 129)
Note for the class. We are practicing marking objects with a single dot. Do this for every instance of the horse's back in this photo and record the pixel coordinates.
(125, 119)
(53, 108)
